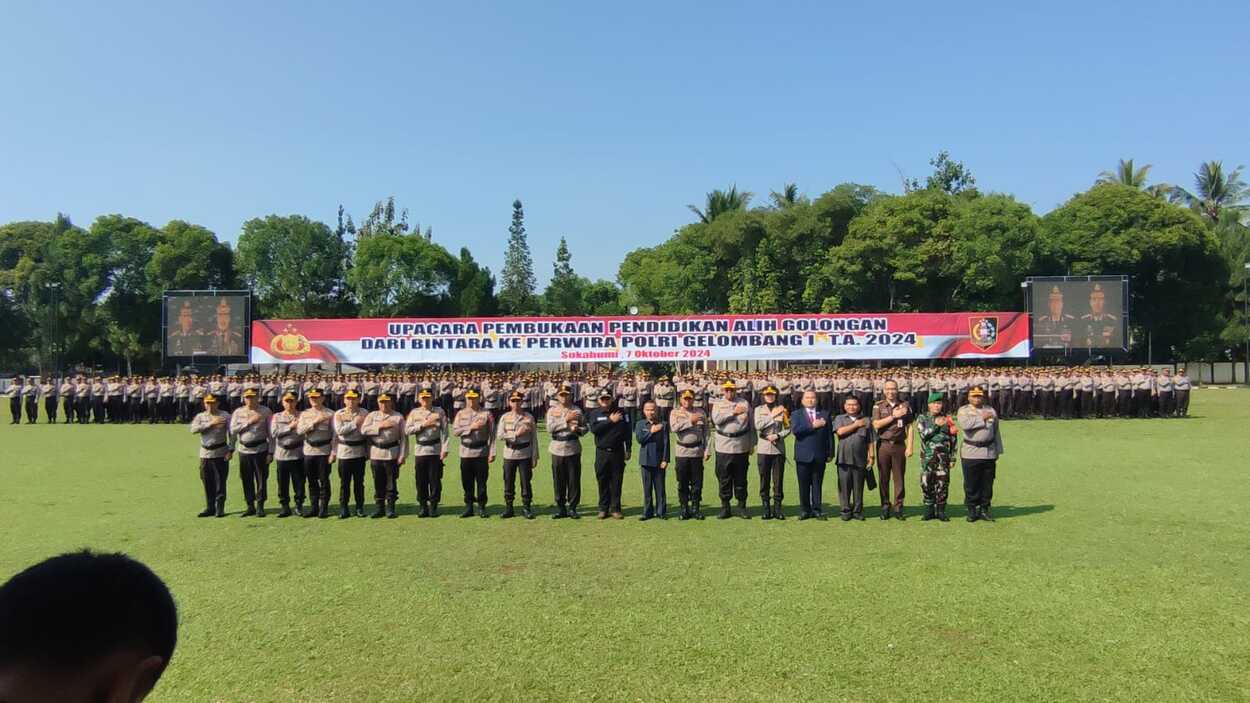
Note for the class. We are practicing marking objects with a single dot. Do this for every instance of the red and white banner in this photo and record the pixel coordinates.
(962, 335)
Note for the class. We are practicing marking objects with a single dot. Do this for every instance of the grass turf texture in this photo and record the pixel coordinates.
(1117, 570)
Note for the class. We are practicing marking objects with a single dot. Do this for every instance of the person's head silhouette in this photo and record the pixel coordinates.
(84, 627)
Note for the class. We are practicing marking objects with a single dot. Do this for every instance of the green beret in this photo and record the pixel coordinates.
(935, 396)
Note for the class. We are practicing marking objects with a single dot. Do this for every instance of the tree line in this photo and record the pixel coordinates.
(91, 295)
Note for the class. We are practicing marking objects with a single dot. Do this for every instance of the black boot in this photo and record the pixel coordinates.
(344, 513)
(481, 510)
(973, 513)
(310, 512)
(777, 512)
(527, 511)
(941, 513)
(928, 512)
(724, 511)
(561, 512)
(390, 510)
(768, 509)
(378, 512)
(324, 511)
(985, 514)
(207, 512)
(742, 510)
(898, 514)
(573, 512)
(360, 510)
(468, 510)
(285, 511)
(251, 510)
(260, 510)
(507, 511)
(696, 511)
(221, 508)
(685, 511)
(425, 510)
(885, 512)
(433, 509)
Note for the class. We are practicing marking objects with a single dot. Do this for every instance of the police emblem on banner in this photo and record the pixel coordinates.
(289, 343)
(983, 331)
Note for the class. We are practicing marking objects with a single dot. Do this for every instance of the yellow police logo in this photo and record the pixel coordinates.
(289, 343)
(983, 331)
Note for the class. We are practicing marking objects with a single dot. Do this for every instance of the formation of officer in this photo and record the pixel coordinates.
(1015, 392)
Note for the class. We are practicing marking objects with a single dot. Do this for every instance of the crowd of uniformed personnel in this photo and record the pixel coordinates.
(307, 424)
(1014, 392)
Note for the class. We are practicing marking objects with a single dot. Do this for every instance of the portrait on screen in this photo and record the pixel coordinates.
(1078, 314)
(205, 325)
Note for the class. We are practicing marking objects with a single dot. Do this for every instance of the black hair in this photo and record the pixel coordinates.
(65, 613)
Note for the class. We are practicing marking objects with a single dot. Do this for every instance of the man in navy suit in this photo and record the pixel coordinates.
(813, 448)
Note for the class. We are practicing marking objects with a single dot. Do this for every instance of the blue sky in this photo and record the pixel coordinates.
(606, 120)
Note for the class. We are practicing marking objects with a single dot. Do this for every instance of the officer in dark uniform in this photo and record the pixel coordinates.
(1054, 329)
(613, 441)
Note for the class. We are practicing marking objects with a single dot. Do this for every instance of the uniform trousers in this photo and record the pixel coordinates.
(15, 409)
(851, 489)
(1141, 402)
(610, 474)
(892, 464)
(525, 467)
(979, 481)
(352, 475)
(213, 474)
(473, 474)
(1106, 408)
(82, 406)
(1182, 403)
(731, 476)
(566, 475)
(1087, 403)
(429, 471)
(811, 475)
(68, 406)
(654, 499)
(690, 479)
(49, 408)
(291, 474)
(32, 409)
(824, 401)
(254, 473)
(385, 481)
(772, 469)
(1167, 404)
(317, 471)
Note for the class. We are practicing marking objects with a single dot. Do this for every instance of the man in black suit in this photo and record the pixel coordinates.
(813, 448)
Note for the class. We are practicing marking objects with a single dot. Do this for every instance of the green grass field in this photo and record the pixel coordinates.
(1117, 570)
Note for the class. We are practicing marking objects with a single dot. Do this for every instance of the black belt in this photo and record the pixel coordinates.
(609, 450)
(515, 445)
(472, 444)
(564, 437)
(352, 443)
(212, 447)
(290, 445)
(689, 445)
(318, 443)
(429, 442)
(731, 435)
(388, 445)
(253, 445)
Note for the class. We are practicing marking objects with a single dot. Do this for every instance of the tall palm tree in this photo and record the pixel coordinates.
(720, 202)
(1215, 191)
(1126, 174)
(787, 196)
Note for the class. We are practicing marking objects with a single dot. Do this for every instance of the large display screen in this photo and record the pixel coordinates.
(1087, 312)
(207, 325)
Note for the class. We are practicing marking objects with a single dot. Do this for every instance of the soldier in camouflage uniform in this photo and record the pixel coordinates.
(937, 434)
